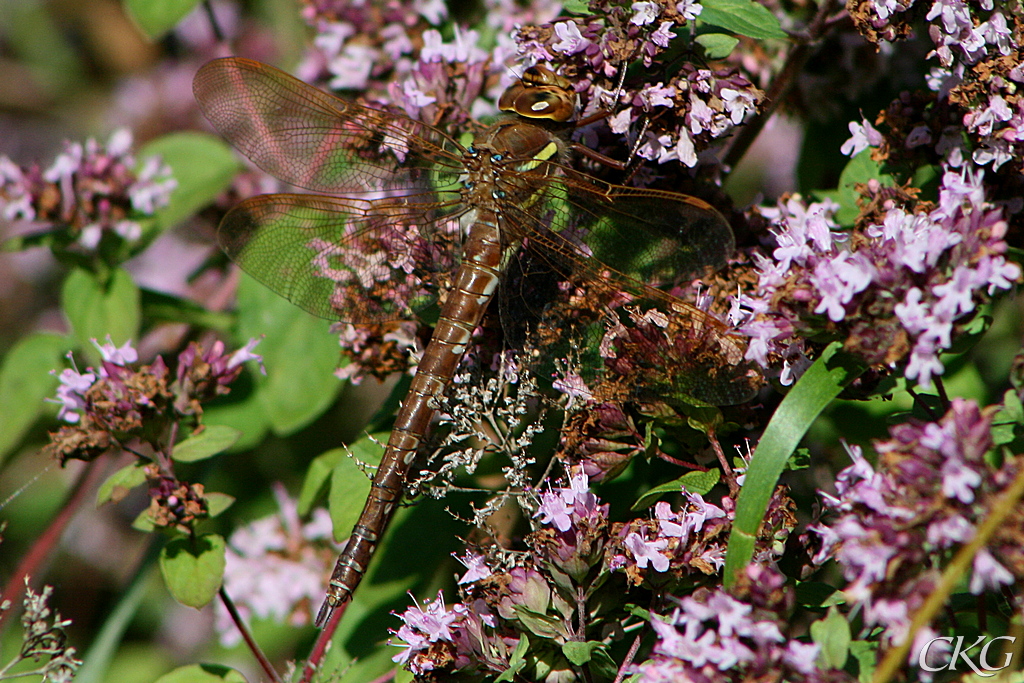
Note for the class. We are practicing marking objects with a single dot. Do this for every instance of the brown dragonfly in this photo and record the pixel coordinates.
(414, 218)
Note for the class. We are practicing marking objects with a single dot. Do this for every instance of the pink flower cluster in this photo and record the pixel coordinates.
(891, 526)
(90, 191)
(898, 291)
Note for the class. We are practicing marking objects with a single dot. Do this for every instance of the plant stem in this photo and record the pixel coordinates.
(41, 549)
(780, 85)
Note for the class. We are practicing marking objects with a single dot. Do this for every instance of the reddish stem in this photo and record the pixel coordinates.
(41, 550)
(265, 664)
(320, 646)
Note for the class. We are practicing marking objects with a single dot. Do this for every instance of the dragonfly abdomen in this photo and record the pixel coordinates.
(475, 284)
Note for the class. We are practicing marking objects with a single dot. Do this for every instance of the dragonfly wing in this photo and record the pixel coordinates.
(654, 236)
(347, 259)
(317, 141)
(625, 338)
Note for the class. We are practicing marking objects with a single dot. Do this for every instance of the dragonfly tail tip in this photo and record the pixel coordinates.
(324, 615)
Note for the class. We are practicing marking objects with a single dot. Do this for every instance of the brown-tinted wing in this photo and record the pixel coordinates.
(317, 141)
(347, 259)
(606, 243)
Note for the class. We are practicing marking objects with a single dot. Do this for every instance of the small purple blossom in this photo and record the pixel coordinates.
(554, 510)
(864, 136)
(571, 40)
(690, 9)
(645, 551)
(71, 393)
(476, 567)
(422, 627)
(644, 13)
(988, 574)
(558, 507)
(117, 355)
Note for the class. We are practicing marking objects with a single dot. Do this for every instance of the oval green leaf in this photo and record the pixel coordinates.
(202, 673)
(217, 503)
(97, 308)
(25, 381)
(717, 45)
(300, 355)
(157, 17)
(694, 482)
(246, 415)
(193, 568)
(349, 486)
(143, 522)
(117, 485)
(832, 635)
(744, 17)
(209, 442)
(580, 653)
(203, 166)
(317, 476)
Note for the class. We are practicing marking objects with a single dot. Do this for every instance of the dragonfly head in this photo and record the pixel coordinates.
(540, 93)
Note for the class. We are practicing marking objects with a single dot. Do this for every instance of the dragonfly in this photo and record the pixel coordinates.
(403, 221)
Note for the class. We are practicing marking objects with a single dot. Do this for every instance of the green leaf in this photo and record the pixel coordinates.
(1013, 407)
(349, 487)
(700, 482)
(744, 17)
(576, 7)
(694, 482)
(638, 612)
(143, 522)
(580, 653)
(822, 383)
(25, 381)
(317, 476)
(866, 654)
(717, 45)
(817, 594)
(209, 442)
(217, 502)
(859, 170)
(157, 17)
(832, 634)
(603, 666)
(517, 662)
(300, 355)
(1007, 422)
(800, 460)
(541, 625)
(117, 485)
(166, 308)
(246, 415)
(97, 308)
(203, 673)
(193, 568)
(202, 164)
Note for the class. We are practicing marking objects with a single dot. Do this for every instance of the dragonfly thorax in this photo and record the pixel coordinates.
(509, 162)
